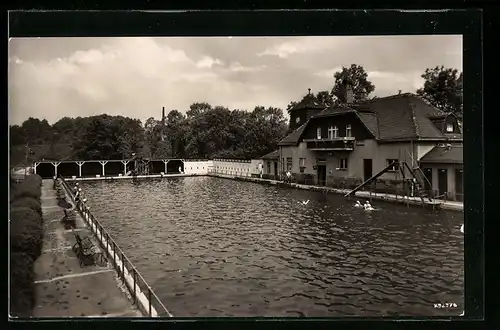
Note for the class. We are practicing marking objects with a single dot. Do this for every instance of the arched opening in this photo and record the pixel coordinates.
(68, 169)
(174, 165)
(156, 167)
(91, 169)
(45, 170)
(113, 168)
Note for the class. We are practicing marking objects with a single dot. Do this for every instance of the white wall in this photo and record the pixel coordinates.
(237, 167)
(197, 167)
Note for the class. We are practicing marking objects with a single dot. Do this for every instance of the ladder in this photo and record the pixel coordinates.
(421, 188)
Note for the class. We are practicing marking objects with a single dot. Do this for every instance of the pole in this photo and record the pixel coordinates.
(26, 160)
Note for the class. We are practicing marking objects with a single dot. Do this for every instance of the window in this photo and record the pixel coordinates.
(289, 164)
(333, 132)
(302, 164)
(318, 133)
(395, 166)
(268, 167)
(348, 132)
(342, 164)
(449, 128)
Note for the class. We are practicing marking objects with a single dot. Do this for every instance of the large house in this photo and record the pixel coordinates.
(352, 142)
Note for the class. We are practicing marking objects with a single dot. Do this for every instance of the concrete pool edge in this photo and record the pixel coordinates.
(125, 280)
(413, 201)
(63, 288)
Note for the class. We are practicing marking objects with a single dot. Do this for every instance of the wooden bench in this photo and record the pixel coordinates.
(69, 220)
(84, 250)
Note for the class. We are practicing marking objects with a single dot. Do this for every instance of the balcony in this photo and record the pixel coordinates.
(334, 144)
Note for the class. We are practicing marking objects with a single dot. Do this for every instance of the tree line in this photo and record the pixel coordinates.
(207, 131)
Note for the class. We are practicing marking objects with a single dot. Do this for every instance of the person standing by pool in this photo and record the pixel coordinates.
(260, 170)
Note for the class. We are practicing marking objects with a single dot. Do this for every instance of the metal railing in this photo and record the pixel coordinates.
(142, 294)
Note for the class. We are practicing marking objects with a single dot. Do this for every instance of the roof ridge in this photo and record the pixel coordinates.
(386, 97)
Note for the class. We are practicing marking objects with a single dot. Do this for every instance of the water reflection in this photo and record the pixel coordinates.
(216, 247)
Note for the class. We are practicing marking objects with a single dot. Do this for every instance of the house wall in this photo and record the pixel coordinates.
(303, 115)
(295, 153)
(450, 178)
(197, 166)
(379, 153)
(451, 120)
(423, 148)
(237, 167)
(269, 166)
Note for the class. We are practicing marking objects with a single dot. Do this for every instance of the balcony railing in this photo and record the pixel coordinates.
(331, 144)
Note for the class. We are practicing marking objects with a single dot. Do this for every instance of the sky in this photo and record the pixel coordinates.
(50, 78)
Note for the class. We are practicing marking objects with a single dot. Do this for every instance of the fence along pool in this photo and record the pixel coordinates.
(142, 294)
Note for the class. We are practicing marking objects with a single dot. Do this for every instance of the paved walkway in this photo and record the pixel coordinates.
(449, 205)
(62, 287)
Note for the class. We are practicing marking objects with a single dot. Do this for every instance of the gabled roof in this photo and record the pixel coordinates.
(403, 116)
(308, 102)
(392, 118)
(272, 155)
(445, 155)
(369, 119)
(293, 138)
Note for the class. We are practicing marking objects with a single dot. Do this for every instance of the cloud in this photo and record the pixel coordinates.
(55, 77)
(208, 62)
(303, 45)
(328, 73)
(237, 67)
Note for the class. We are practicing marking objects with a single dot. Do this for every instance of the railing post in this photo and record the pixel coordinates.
(134, 274)
(149, 298)
(123, 268)
(114, 253)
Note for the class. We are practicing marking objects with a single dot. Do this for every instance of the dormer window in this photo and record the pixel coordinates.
(449, 128)
(348, 132)
(333, 132)
(318, 133)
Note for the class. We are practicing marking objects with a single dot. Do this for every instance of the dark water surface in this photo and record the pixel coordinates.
(217, 247)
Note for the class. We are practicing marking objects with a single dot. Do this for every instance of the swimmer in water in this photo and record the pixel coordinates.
(368, 206)
(358, 204)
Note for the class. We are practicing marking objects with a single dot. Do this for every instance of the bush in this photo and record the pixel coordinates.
(28, 188)
(22, 288)
(28, 202)
(26, 231)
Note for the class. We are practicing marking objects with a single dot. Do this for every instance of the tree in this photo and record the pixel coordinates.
(109, 137)
(443, 88)
(357, 77)
(174, 131)
(291, 105)
(17, 135)
(198, 108)
(325, 97)
(37, 131)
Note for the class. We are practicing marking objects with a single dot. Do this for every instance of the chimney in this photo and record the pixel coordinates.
(163, 114)
(349, 94)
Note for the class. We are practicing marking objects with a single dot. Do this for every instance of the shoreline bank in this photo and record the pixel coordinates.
(413, 201)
